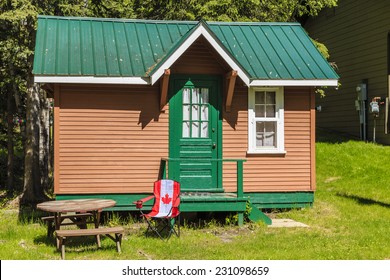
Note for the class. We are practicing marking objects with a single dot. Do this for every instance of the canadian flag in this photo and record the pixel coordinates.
(166, 198)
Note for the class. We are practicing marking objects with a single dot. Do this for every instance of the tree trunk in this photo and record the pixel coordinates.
(10, 144)
(44, 142)
(32, 189)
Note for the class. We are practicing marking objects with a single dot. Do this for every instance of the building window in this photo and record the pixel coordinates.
(195, 113)
(266, 120)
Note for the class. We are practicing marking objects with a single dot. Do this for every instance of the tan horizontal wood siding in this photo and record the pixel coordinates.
(108, 139)
(294, 171)
(356, 34)
(200, 58)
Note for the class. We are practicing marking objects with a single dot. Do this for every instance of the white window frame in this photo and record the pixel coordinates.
(279, 118)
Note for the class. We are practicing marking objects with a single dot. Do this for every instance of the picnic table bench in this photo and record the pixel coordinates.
(80, 219)
(114, 233)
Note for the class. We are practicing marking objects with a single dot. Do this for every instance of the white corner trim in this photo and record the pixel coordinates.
(200, 30)
(271, 82)
(92, 80)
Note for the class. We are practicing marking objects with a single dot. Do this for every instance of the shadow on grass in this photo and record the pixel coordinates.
(44, 239)
(75, 244)
(363, 200)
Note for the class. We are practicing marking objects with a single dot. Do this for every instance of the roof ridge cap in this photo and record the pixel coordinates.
(135, 20)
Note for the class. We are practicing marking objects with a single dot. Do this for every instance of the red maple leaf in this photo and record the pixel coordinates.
(166, 199)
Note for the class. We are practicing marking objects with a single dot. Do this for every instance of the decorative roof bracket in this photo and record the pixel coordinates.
(164, 89)
(231, 81)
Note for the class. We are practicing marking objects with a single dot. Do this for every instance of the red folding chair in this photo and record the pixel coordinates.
(164, 218)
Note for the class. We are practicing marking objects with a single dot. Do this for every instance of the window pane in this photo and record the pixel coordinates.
(195, 95)
(204, 98)
(266, 134)
(186, 112)
(205, 130)
(195, 130)
(195, 112)
(204, 116)
(186, 129)
(186, 96)
(270, 111)
(270, 98)
(270, 134)
(259, 97)
(259, 111)
(259, 134)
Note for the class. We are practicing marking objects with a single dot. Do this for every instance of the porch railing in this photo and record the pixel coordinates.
(239, 170)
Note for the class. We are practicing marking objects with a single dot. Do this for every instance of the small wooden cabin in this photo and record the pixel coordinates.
(227, 109)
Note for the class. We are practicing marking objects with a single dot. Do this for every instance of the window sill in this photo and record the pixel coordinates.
(266, 152)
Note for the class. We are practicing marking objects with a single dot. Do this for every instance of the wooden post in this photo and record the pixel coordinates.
(240, 219)
(240, 179)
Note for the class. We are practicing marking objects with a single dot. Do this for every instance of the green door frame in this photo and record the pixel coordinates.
(177, 83)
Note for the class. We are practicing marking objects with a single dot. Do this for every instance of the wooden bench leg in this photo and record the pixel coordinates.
(99, 244)
(50, 228)
(61, 246)
(118, 237)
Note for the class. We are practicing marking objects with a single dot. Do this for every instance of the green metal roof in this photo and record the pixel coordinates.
(116, 48)
(273, 50)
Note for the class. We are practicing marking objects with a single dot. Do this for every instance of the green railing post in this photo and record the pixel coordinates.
(240, 178)
(162, 174)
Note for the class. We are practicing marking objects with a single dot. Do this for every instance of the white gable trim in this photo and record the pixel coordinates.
(200, 30)
(92, 80)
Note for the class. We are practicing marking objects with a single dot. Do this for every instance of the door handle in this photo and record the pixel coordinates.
(214, 145)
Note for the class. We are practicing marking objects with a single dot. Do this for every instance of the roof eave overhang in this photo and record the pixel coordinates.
(92, 80)
(314, 83)
(199, 30)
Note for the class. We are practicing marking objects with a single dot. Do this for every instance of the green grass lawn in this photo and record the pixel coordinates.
(350, 219)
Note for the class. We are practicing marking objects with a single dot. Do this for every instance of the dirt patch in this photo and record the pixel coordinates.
(278, 223)
(332, 179)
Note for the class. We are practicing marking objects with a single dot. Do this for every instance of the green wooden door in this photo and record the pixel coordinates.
(195, 132)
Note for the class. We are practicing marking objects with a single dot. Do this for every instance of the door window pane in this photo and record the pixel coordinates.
(195, 112)
(204, 96)
(186, 112)
(186, 95)
(186, 129)
(205, 113)
(205, 130)
(195, 130)
(195, 96)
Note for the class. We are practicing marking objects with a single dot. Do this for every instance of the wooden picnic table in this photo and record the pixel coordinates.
(61, 208)
(80, 209)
